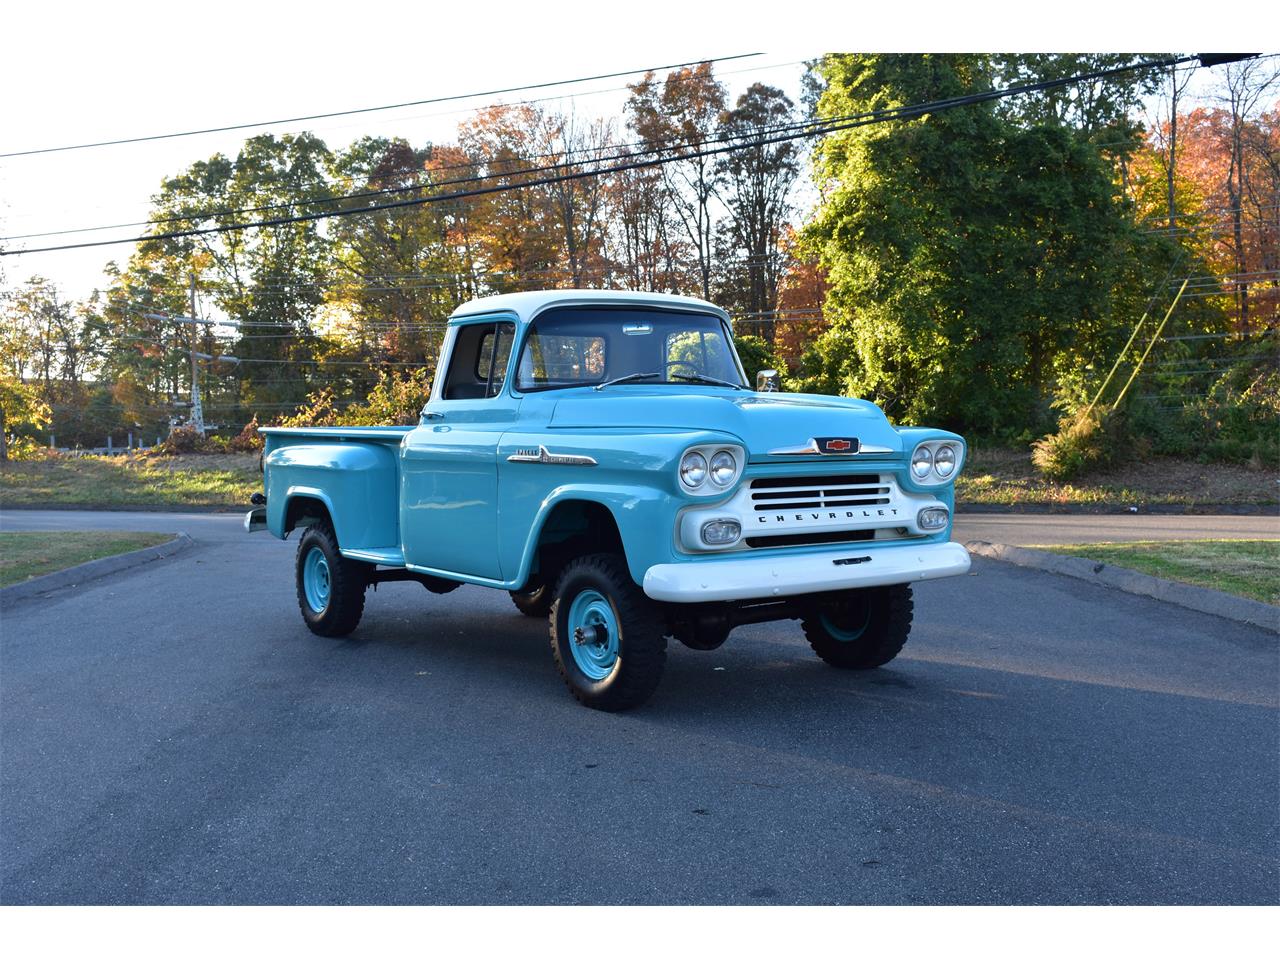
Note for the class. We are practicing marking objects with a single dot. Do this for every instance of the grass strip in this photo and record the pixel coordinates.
(1246, 568)
(26, 555)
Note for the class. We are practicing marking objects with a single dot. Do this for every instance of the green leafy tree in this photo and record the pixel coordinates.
(965, 252)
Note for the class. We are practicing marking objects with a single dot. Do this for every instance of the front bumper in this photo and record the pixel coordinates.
(757, 578)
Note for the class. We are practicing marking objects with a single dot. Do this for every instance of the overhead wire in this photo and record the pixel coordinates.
(365, 110)
(814, 128)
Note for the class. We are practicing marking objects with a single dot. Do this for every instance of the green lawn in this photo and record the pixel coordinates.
(26, 555)
(1247, 568)
(131, 481)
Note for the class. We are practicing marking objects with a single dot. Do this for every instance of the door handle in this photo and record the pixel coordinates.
(432, 415)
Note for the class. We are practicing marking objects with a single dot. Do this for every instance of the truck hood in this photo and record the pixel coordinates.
(762, 421)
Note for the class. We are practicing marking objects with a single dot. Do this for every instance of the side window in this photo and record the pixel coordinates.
(478, 365)
(495, 351)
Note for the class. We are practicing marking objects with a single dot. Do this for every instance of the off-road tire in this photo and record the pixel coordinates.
(347, 582)
(642, 646)
(535, 600)
(884, 615)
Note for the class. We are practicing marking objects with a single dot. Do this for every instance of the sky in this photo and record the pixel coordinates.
(74, 73)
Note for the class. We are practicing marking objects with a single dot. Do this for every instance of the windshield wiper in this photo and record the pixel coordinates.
(629, 378)
(702, 378)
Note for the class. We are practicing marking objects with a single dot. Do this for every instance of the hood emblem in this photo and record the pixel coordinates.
(838, 446)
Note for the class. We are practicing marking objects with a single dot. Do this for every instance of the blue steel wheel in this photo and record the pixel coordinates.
(862, 629)
(330, 586)
(315, 580)
(593, 629)
(608, 639)
(848, 627)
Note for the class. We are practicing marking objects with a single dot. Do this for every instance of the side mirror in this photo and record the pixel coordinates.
(768, 381)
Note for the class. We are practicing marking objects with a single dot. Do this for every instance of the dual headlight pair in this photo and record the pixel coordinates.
(936, 461)
(710, 469)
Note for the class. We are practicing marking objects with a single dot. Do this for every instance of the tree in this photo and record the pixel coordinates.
(270, 280)
(968, 254)
(681, 115)
(755, 186)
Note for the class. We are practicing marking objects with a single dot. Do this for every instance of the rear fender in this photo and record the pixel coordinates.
(357, 483)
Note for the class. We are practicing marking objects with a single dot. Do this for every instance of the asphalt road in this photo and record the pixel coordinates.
(173, 734)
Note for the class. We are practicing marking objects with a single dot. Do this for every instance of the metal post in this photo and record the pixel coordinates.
(197, 412)
(110, 450)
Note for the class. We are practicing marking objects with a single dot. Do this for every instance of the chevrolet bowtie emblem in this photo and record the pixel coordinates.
(837, 444)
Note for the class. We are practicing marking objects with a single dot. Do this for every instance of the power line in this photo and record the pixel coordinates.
(624, 152)
(391, 106)
(368, 178)
(817, 128)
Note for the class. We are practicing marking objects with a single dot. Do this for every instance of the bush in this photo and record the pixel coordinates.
(394, 400)
(248, 440)
(1084, 441)
(183, 440)
(756, 355)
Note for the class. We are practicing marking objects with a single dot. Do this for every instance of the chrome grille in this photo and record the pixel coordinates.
(812, 493)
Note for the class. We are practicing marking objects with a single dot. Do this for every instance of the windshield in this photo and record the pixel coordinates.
(585, 346)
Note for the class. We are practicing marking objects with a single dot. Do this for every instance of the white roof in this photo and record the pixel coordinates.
(525, 305)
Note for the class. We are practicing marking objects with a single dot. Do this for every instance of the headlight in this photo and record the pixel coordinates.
(922, 462)
(693, 469)
(723, 468)
(711, 469)
(935, 462)
(944, 461)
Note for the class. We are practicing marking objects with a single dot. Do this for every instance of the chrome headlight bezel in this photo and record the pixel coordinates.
(929, 449)
(708, 486)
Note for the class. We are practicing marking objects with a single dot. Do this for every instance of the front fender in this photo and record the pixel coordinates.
(644, 517)
(632, 473)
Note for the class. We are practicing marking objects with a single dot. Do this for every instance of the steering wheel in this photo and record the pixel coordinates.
(677, 363)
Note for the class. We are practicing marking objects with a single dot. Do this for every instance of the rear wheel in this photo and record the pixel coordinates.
(861, 629)
(330, 586)
(606, 636)
(535, 600)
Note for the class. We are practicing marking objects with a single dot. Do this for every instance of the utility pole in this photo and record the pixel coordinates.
(197, 412)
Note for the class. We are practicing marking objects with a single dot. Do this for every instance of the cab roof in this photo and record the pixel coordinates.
(532, 302)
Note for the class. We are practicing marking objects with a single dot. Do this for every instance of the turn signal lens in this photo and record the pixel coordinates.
(721, 533)
(932, 518)
(693, 469)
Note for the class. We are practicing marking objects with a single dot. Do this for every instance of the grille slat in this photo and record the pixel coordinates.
(815, 493)
(798, 494)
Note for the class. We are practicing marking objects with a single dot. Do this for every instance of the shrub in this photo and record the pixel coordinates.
(182, 440)
(1084, 440)
(248, 440)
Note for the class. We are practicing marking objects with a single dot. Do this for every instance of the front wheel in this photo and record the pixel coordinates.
(330, 586)
(606, 637)
(861, 629)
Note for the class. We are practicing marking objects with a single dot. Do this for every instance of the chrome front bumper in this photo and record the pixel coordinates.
(737, 577)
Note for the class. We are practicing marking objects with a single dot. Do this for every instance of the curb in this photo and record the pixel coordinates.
(1202, 599)
(83, 572)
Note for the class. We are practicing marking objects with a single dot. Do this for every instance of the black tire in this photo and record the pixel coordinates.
(347, 582)
(861, 629)
(641, 645)
(535, 600)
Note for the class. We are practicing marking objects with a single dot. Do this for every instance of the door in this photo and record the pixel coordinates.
(449, 481)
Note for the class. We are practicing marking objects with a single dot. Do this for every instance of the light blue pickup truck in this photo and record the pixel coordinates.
(601, 456)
